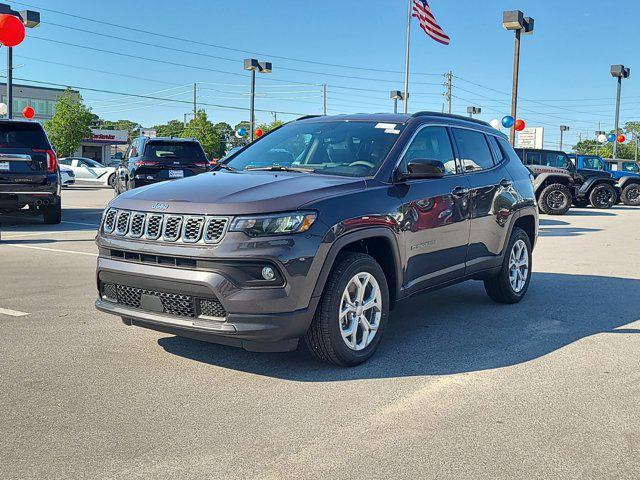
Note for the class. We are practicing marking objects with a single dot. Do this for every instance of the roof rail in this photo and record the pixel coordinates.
(304, 117)
(450, 115)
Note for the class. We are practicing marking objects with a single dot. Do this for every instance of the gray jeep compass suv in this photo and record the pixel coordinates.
(316, 230)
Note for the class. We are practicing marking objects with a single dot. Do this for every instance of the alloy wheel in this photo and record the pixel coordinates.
(556, 200)
(518, 266)
(360, 311)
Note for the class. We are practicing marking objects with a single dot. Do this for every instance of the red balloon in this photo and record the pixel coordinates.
(259, 132)
(28, 112)
(621, 138)
(519, 125)
(12, 30)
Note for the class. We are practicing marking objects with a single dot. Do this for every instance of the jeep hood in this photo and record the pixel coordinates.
(236, 193)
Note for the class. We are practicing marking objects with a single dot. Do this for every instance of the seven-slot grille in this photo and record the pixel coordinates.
(165, 227)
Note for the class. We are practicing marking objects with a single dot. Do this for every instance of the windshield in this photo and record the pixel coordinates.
(182, 152)
(354, 149)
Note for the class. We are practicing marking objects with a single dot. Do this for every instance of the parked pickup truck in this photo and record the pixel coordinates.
(627, 182)
(29, 174)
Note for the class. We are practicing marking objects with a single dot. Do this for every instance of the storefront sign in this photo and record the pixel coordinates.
(111, 137)
(531, 137)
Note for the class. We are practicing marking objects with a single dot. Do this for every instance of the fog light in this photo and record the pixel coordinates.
(268, 273)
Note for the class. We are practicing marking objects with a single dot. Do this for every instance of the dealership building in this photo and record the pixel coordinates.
(102, 144)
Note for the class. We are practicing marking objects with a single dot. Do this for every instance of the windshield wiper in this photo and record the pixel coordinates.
(224, 166)
(281, 168)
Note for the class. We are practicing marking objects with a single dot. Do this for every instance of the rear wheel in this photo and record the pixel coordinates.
(352, 313)
(512, 283)
(555, 199)
(603, 196)
(53, 213)
(112, 181)
(631, 195)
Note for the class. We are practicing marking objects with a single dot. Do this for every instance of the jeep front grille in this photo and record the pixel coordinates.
(192, 229)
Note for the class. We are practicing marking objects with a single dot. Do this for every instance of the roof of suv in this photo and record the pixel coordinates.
(168, 139)
(396, 118)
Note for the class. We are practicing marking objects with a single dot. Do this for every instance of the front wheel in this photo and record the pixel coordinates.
(512, 283)
(631, 195)
(555, 199)
(603, 196)
(352, 313)
(112, 181)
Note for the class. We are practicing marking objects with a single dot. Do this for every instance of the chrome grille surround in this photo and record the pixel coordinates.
(172, 228)
(123, 219)
(165, 227)
(137, 225)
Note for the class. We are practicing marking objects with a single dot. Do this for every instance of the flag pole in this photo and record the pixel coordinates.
(406, 60)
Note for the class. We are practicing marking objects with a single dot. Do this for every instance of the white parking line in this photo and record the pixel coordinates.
(81, 223)
(57, 250)
(13, 313)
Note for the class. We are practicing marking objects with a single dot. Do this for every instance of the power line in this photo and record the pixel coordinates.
(222, 47)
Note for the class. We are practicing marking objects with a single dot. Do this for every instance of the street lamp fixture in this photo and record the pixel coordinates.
(563, 128)
(395, 96)
(474, 111)
(619, 72)
(254, 66)
(516, 21)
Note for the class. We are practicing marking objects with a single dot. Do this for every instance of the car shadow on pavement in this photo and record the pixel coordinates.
(565, 231)
(72, 219)
(457, 330)
(582, 212)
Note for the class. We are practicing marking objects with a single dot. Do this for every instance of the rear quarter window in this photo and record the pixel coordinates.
(23, 135)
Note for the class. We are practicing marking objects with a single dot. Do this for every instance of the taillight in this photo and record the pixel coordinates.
(52, 160)
(145, 164)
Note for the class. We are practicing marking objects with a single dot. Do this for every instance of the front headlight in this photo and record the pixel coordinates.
(274, 224)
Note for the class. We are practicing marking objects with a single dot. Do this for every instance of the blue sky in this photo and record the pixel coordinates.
(564, 71)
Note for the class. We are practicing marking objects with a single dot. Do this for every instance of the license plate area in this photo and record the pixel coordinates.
(176, 173)
(4, 166)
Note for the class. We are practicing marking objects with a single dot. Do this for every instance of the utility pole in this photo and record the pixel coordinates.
(635, 136)
(406, 58)
(195, 96)
(9, 82)
(324, 98)
(449, 85)
(618, 72)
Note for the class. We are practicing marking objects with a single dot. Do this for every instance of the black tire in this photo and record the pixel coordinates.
(631, 195)
(555, 199)
(52, 214)
(324, 339)
(499, 287)
(112, 181)
(603, 196)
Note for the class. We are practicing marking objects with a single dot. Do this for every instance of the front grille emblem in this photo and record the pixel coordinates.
(160, 206)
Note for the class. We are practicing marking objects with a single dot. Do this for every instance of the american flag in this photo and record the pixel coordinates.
(428, 22)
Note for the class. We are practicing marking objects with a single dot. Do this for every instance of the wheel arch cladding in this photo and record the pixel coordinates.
(379, 243)
(528, 224)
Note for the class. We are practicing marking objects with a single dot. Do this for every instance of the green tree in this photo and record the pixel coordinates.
(70, 124)
(173, 128)
(202, 129)
(267, 127)
(226, 135)
(128, 125)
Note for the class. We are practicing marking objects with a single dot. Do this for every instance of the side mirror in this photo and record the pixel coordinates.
(423, 168)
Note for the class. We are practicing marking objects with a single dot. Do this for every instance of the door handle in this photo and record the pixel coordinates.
(505, 183)
(459, 192)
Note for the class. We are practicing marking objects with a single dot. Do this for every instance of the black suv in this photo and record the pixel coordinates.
(151, 160)
(558, 183)
(29, 173)
(318, 229)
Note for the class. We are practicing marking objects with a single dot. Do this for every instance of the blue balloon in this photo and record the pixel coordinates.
(242, 132)
(508, 121)
(611, 137)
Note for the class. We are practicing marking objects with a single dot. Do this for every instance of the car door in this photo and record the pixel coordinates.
(81, 172)
(492, 197)
(434, 213)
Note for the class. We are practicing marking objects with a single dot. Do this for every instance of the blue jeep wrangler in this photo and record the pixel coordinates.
(627, 178)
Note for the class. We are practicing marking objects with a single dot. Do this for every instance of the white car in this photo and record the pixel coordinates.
(90, 171)
(67, 176)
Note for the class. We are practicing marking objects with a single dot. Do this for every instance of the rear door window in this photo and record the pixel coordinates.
(23, 135)
(473, 150)
(171, 152)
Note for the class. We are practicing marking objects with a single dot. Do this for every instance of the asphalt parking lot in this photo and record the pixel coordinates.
(460, 388)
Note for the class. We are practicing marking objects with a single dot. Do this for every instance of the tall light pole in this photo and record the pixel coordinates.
(563, 128)
(254, 65)
(619, 72)
(515, 20)
(474, 111)
(30, 19)
(395, 96)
